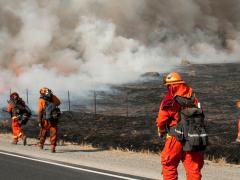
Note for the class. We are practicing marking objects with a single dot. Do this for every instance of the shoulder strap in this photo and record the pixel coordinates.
(12, 103)
(185, 102)
(15, 105)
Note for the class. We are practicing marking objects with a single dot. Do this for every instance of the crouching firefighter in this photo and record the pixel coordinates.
(20, 114)
(48, 115)
(181, 120)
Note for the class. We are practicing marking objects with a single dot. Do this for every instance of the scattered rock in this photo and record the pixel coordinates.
(151, 75)
(185, 62)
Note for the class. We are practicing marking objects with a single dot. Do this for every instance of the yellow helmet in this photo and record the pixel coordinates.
(173, 78)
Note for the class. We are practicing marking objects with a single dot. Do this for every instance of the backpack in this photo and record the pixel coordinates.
(52, 112)
(190, 129)
(25, 116)
(20, 110)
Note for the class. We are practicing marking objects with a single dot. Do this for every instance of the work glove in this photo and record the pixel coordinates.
(161, 134)
(40, 125)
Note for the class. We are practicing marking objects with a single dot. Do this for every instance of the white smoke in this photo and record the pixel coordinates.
(78, 45)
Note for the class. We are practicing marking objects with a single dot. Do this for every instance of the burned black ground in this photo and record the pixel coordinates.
(125, 116)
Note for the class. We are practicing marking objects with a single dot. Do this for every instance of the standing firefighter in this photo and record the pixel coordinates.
(181, 120)
(238, 123)
(48, 114)
(20, 114)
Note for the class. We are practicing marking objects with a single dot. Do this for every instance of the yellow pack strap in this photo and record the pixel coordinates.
(168, 135)
(14, 117)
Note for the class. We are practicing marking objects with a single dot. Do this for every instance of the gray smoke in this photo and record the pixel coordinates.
(82, 44)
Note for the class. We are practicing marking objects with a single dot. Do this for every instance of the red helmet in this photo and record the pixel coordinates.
(14, 95)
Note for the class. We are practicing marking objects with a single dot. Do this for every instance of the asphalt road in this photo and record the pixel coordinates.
(17, 167)
(112, 162)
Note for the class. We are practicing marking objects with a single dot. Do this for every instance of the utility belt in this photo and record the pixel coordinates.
(178, 133)
(49, 118)
(191, 142)
(22, 119)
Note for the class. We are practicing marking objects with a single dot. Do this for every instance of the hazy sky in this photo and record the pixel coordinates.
(81, 44)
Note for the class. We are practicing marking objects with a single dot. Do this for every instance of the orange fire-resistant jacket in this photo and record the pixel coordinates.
(10, 108)
(169, 108)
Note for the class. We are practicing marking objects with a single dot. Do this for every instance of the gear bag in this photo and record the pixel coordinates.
(52, 112)
(190, 129)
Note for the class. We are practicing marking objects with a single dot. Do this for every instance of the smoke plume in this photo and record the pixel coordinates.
(82, 44)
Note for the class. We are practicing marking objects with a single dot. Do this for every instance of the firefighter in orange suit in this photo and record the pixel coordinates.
(46, 96)
(172, 152)
(238, 123)
(20, 114)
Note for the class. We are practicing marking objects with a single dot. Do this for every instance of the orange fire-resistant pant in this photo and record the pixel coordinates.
(53, 133)
(16, 130)
(172, 154)
(238, 129)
